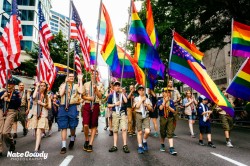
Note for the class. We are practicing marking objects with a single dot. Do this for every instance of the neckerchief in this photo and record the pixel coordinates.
(143, 108)
(205, 116)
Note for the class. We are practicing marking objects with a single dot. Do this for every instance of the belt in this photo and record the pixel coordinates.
(141, 113)
(89, 103)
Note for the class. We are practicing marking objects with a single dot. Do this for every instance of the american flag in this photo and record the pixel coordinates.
(77, 60)
(10, 48)
(46, 65)
(78, 32)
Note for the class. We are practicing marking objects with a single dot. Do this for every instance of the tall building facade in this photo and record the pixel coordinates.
(59, 22)
(29, 18)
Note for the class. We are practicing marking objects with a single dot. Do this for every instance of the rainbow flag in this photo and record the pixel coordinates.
(150, 27)
(92, 52)
(102, 28)
(109, 49)
(240, 40)
(184, 67)
(240, 85)
(147, 57)
(137, 31)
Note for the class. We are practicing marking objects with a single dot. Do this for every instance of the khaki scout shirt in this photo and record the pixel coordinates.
(137, 99)
(75, 95)
(86, 91)
(24, 97)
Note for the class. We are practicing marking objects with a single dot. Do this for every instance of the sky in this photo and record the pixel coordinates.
(89, 10)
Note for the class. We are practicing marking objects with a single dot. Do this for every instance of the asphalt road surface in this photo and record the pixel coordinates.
(189, 152)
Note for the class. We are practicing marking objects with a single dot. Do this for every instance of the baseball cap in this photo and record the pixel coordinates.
(202, 97)
(140, 86)
(116, 83)
(11, 81)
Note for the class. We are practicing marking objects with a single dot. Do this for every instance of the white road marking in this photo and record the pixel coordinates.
(67, 160)
(228, 159)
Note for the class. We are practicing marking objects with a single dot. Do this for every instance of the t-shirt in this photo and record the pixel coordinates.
(111, 101)
(161, 112)
(202, 108)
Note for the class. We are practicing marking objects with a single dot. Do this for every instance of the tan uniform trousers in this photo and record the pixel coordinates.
(6, 123)
(131, 120)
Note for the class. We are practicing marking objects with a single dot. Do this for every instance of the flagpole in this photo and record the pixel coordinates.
(170, 54)
(230, 61)
(125, 49)
(38, 64)
(97, 39)
(4, 108)
(70, 17)
(74, 65)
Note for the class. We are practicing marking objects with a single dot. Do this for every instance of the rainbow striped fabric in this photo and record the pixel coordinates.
(150, 27)
(240, 85)
(137, 31)
(109, 49)
(240, 40)
(92, 52)
(184, 67)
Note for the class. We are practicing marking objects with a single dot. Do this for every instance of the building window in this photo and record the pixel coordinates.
(26, 2)
(27, 15)
(27, 30)
(4, 21)
(26, 45)
(7, 7)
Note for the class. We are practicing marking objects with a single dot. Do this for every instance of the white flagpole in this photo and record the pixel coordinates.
(230, 63)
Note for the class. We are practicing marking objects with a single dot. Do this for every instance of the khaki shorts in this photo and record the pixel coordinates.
(166, 127)
(227, 122)
(142, 122)
(119, 121)
(21, 115)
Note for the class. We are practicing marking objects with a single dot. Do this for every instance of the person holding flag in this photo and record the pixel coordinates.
(142, 107)
(92, 94)
(67, 112)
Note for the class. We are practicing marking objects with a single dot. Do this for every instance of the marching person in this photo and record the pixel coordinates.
(67, 112)
(117, 102)
(166, 112)
(7, 114)
(190, 110)
(142, 107)
(92, 94)
(39, 112)
(176, 97)
(22, 110)
(227, 120)
(153, 114)
(204, 122)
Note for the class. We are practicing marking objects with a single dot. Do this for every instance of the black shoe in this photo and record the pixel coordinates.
(1, 154)
(25, 132)
(201, 143)
(113, 149)
(14, 135)
(110, 133)
(63, 150)
(85, 146)
(71, 144)
(211, 145)
(174, 135)
(12, 148)
(90, 148)
(125, 149)
(105, 128)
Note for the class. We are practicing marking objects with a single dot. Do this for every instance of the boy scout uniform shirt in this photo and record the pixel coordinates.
(161, 112)
(24, 98)
(137, 99)
(86, 91)
(15, 100)
(75, 95)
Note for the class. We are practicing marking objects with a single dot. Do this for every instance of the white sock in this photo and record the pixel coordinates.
(191, 129)
(140, 145)
(72, 138)
(63, 144)
(144, 140)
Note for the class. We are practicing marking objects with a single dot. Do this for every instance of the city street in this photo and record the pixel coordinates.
(189, 152)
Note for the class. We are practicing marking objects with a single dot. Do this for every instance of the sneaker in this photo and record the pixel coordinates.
(63, 150)
(134, 134)
(90, 148)
(211, 145)
(130, 134)
(156, 134)
(43, 135)
(174, 135)
(50, 132)
(192, 136)
(71, 144)
(201, 143)
(110, 133)
(125, 149)
(1, 154)
(172, 151)
(85, 146)
(14, 135)
(25, 132)
(229, 144)
(162, 149)
(105, 128)
(145, 146)
(140, 150)
(113, 149)
(12, 147)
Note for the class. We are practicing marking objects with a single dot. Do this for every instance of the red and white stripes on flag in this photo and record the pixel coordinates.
(46, 65)
(78, 32)
(77, 60)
